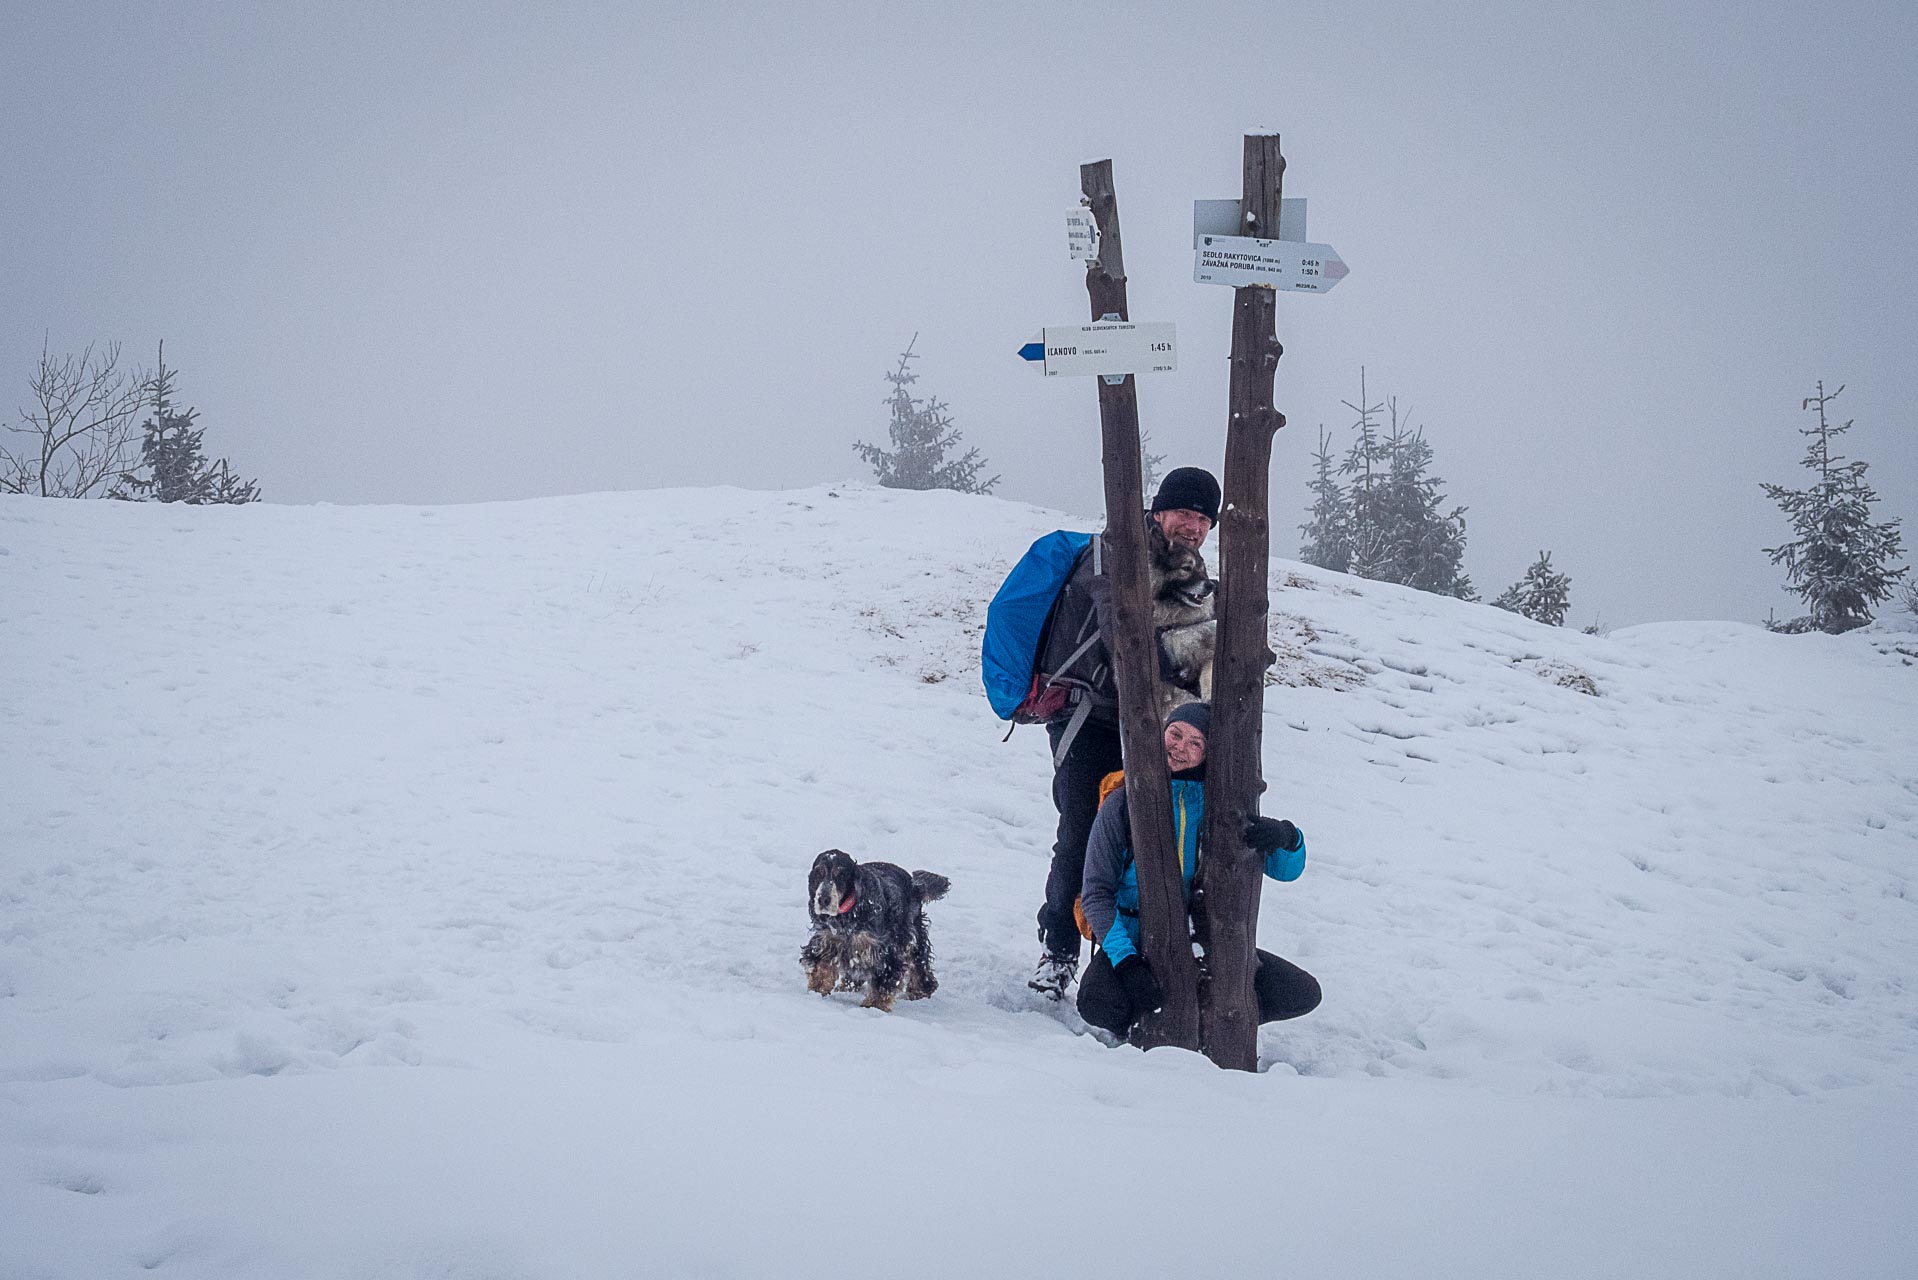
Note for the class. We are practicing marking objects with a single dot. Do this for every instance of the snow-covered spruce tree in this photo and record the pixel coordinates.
(1839, 562)
(1543, 594)
(1396, 528)
(1367, 518)
(173, 467)
(1328, 534)
(1427, 542)
(922, 434)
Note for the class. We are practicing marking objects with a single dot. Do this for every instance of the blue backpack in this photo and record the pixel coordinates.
(1016, 624)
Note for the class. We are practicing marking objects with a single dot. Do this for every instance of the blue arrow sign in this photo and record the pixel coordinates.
(1104, 347)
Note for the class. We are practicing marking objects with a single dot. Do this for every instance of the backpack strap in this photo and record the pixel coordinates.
(1079, 714)
(1091, 634)
(1081, 691)
(1076, 654)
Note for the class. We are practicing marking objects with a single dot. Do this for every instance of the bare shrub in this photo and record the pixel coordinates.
(78, 434)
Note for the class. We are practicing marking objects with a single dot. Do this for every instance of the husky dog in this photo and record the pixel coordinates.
(1182, 615)
(869, 929)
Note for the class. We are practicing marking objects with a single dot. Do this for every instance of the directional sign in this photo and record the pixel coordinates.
(1109, 346)
(1082, 234)
(1239, 261)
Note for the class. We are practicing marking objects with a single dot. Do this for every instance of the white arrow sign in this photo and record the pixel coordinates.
(1109, 346)
(1268, 264)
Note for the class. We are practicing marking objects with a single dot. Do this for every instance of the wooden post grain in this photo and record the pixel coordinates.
(1165, 934)
(1228, 905)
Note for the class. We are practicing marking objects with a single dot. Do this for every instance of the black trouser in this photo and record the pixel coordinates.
(1075, 794)
(1284, 991)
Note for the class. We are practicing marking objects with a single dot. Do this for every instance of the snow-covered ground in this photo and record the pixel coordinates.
(399, 892)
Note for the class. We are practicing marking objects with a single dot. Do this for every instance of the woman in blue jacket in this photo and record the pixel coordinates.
(1118, 985)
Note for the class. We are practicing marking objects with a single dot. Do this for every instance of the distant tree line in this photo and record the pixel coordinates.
(1380, 513)
(1377, 511)
(77, 438)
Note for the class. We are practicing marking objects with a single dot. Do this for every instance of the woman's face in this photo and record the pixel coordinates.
(1184, 747)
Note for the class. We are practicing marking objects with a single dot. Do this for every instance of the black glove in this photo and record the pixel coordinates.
(1140, 986)
(1269, 835)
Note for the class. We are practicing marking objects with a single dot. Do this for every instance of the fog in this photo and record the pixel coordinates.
(456, 253)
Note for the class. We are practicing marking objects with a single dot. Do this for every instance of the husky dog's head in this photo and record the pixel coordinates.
(1178, 572)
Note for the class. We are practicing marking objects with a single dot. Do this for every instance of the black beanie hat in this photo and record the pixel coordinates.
(1189, 489)
(1196, 714)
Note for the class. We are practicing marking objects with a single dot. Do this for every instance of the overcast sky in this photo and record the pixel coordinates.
(447, 253)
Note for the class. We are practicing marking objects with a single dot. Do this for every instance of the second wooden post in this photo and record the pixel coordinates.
(1228, 906)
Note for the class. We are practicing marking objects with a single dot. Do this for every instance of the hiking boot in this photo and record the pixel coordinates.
(1054, 975)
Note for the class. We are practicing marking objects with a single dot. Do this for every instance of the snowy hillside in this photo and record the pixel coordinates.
(398, 892)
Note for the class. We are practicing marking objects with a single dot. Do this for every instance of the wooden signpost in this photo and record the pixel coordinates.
(1227, 908)
(1162, 915)
(1209, 1006)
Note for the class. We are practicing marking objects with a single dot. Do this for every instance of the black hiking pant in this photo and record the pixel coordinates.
(1283, 989)
(1075, 794)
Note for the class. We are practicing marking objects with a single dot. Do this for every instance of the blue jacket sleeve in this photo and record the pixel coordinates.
(1105, 861)
(1281, 865)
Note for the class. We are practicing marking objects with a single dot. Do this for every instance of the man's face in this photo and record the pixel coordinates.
(1184, 744)
(1187, 528)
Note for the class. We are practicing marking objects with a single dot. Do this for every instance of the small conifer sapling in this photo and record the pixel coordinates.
(1543, 594)
(922, 435)
(1839, 559)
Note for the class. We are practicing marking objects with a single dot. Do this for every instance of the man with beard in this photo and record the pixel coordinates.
(1085, 732)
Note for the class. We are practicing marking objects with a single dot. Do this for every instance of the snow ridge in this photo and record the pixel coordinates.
(524, 794)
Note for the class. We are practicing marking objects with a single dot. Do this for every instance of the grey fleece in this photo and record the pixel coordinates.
(1105, 864)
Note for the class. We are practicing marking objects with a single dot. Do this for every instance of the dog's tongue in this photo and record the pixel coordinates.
(848, 904)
